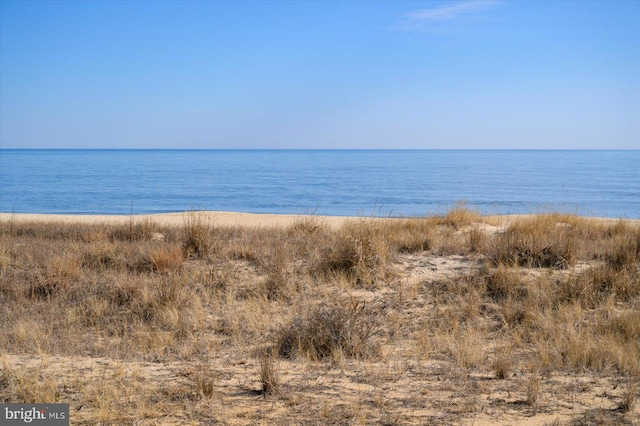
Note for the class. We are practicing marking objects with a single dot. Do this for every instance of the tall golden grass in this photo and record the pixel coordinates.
(545, 294)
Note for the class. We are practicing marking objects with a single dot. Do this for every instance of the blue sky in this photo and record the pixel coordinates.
(320, 74)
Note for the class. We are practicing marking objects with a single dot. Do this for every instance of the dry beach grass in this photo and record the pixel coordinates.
(451, 319)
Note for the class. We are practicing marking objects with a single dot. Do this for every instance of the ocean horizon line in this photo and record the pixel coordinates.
(332, 149)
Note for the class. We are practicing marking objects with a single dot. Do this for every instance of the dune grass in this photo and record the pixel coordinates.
(147, 324)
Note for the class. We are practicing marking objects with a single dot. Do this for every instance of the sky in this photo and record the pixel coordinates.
(479, 74)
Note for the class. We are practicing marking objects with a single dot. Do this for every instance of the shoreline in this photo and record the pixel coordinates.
(213, 218)
(243, 219)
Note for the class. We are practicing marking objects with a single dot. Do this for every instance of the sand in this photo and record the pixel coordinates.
(231, 219)
(214, 218)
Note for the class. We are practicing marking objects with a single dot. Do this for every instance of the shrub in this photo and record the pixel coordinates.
(361, 252)
(59, 273)
(197, 241)
(595, 285)
(410, 235)
(540, 242)
(132, 231)
(625, 252)
(165, 258)
(458, 216)
(330, 327)
(503, 283)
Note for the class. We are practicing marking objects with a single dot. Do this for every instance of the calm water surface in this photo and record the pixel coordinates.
(336, 182)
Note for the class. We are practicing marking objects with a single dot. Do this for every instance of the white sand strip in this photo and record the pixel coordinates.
(213, 218)
(230, 219)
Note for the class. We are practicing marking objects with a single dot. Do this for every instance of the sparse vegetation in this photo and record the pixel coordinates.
(269, 373)
(337, 327)
(433, 320)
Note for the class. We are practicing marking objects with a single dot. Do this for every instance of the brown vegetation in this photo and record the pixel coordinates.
(437, 320)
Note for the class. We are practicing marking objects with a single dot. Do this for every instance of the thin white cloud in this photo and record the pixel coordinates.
(447, 12)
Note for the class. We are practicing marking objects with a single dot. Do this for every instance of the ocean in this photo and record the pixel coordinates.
(331, 182)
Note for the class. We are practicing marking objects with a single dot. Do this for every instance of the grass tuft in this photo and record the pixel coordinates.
(629, 397)
(269, 373)
(197, 238)
(361, 252)
(349, 327)
(539, 242)
(532, 390)
(503, 362)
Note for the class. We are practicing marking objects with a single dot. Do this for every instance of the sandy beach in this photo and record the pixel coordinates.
(213, 218)
(236, 219)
